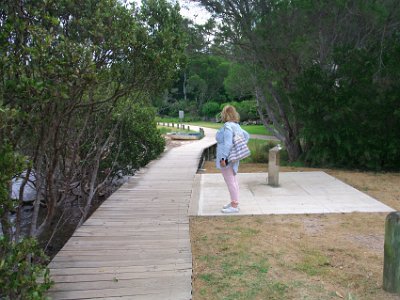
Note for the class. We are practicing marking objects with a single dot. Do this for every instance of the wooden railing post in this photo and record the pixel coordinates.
(391, 263)
(201, 130)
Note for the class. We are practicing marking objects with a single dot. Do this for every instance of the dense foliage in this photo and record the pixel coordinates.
(22, 274)
(20, 261)
(351, 115)
(324, 74)
(77, 79)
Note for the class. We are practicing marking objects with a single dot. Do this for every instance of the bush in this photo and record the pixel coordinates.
(139, 140)
(259, 150)
(247, 109)
(351, 116)
(210, 109)
(21, 269)
(172, 109)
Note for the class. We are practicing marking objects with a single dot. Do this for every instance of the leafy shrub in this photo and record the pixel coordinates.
(259, 150)
(22, 273)
(247, 109)
(139, 140)
(210, 109)
(351, 115)
(20, 262)
(171, 110)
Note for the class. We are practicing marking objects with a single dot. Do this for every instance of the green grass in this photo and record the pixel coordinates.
(165, 130)
(206, 124)
(314, 263)
(251, 129)
(256, 129)
(240, 275)
(259, 151)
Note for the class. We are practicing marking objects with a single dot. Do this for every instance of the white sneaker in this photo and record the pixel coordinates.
(230, 210)
(227, 205)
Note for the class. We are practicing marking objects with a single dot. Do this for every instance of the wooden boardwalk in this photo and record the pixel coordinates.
(137, 243)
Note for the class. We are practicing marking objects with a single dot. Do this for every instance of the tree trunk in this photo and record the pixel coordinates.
(287, 133)
(293, 148)
(21, 203)
(184, 86)
(5, 224)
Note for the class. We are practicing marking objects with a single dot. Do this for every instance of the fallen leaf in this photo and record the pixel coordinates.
(339, 294)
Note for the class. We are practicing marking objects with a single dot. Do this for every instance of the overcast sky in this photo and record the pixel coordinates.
(190, 10)
(193, 11)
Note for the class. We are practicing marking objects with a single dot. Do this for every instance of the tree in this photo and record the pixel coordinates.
(237, 85)
(76, 71)
(352, 120)
(249, 26)
(278, 40)
(20, 259)
(210, 109)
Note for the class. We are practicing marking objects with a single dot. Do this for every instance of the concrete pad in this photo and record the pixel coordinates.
(298, 193)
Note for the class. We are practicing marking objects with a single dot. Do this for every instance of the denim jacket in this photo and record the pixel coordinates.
(224, 139)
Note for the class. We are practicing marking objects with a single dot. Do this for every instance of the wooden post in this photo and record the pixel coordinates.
(391, 262)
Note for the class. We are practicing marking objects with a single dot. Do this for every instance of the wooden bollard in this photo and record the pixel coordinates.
(391, 262)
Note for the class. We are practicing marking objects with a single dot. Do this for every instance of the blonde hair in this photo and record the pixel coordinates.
(229, 114)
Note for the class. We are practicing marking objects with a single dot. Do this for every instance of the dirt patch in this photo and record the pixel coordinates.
(332, 256)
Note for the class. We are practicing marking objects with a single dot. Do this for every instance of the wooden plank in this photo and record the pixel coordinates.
(144, 293)
(136, 284)
(112, 222)
(119, 276)
(117, 263)
(120, 252)
(124, 269)
(139, 227)
(137, 244)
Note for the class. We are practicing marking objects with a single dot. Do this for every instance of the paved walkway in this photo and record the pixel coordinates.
(298, 193)
(264, 137)
(137, 244)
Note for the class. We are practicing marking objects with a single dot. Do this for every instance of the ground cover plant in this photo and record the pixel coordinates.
(321, 256)
(252, 129)
(165, 130)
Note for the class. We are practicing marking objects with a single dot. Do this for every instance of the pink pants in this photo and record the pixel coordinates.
(232, 183)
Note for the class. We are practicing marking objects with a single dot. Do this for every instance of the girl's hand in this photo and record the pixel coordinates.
(222, 163)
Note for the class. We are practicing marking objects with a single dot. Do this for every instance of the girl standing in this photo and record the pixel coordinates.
(230, 117)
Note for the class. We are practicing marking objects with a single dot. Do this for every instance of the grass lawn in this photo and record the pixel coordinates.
(321, 256)
(165, 130)
(252, 129)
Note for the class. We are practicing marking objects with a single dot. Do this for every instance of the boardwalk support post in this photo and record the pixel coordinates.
(391, 263)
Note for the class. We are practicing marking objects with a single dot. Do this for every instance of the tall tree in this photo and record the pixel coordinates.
(77, 71)
(278, 40)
